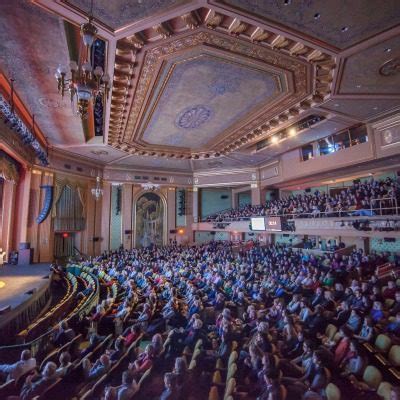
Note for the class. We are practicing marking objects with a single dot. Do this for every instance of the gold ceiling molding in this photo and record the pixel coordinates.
(137, 55)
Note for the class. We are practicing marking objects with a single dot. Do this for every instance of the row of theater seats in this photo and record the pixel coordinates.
(55, 313)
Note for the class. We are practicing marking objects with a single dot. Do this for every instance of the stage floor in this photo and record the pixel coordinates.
(16, 280)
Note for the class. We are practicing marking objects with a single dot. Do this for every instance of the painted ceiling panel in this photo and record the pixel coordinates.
(117, 13)
(362, 70)
(204, 96)
(362, 109)
(340, 23)
(32, 44)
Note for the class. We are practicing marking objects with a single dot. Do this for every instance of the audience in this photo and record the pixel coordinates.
(356, 200)
(273, 304)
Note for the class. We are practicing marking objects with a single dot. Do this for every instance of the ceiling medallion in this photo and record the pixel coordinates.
(391, 67)
(193, 117)
(87, 82)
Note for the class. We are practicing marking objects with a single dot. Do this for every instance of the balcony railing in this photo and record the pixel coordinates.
(386, 206)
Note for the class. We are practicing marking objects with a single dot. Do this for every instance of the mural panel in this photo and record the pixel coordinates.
(149, 220)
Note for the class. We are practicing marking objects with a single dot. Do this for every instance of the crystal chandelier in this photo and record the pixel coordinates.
(97, 192)
(150, 186)
(85, 83)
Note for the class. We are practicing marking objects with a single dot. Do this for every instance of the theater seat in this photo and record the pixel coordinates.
(384, 390)
(394, 355)
(332, 392)
(330, 331)
(213, 395)
(372, 377)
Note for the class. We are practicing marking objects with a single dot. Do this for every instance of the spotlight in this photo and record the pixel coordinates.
(292, 131)
(274, 139)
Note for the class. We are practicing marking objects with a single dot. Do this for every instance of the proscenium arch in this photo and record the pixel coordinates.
(135, 199)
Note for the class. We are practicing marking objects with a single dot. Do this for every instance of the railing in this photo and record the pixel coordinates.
(53, 315)
(25, 313)
(368, 212)
(392, 200)
(40, 346)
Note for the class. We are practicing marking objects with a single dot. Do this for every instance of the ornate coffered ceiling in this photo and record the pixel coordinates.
(201, 92)
(198, 83)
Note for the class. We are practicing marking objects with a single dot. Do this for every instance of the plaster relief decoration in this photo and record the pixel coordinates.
(149, 220)
(391, 67)
(8, 171)
(391, 136)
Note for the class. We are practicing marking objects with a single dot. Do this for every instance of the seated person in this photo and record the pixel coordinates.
(94, 341)
(131, 334)
(271, 389)
(116, 353)
(65, 363)
(125, 391)
(170, 392)
(144, 361)
(35, 385)
(16, 370)
(99, 368)
(353, 363)
(62, 334)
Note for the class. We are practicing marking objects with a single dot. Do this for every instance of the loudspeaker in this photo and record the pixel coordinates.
(25, 256)
(128, 232)
(212, 233)
(356, 181)
(173, 231)
(308, 190)
(224, 196)
(96, 239)
(391, 240)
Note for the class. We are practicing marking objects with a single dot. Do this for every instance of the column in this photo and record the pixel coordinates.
(257, 194)
(127, 210)
(8, 217)
(22, 209)
(171, 212)
(195, 204)
(105, 217)
(234, 197)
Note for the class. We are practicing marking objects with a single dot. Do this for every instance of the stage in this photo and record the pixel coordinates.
(17, 280)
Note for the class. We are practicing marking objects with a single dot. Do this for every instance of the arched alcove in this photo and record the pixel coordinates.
(150, 219)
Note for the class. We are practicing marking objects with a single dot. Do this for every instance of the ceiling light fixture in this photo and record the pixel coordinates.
(292, 131)
(317, 16)
(274, 139)
(345, 29)
(86, 83)
(97, 192)
(388, 50)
